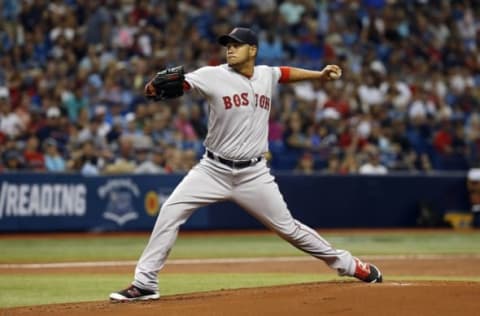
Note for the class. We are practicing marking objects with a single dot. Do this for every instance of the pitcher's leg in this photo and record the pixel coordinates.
(264, 201)
(197, 189)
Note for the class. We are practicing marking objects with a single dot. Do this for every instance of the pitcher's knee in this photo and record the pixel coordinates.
(289, 232)
(172, 215)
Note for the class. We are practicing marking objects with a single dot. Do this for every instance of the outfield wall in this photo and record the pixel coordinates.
(70, 202)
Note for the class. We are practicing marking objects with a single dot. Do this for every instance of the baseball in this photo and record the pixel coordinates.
(335, 74)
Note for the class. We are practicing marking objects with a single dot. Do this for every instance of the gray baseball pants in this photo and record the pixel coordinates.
(255, 190)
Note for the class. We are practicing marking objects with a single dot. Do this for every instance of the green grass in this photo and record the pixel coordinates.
(411, 243)
(234, 246)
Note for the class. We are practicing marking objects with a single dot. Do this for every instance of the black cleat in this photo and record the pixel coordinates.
(133, 293)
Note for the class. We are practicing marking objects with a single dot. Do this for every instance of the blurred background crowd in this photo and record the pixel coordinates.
(72, 74)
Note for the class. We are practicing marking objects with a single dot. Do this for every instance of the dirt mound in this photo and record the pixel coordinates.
(325, 298)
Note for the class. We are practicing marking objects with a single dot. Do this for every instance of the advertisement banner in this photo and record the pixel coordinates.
(71, 202)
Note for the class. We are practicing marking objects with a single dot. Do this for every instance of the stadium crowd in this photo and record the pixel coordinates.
(72, 74)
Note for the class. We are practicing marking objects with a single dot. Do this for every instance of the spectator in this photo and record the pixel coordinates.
(189, 159)
(182, 124)
(305, 164)
(142, 153)
(13, 160)
(10, 122)
(74, 103)
(154, 164)
(92, 132)
(270, 49)
(443, 138)
(396, 93)
(369, 91)
(52, 127)
(100, 116)
(115, 132)
(34, 159)
(338, 103)
(292, 11)
(125, 159)
(53, 160)
(373, 165)
(294, 136)
(349, 163)
(333, 164)
(98, 25)
(173, 159)
(88, 160)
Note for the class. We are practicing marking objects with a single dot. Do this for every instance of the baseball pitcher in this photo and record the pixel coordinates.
(233, 167)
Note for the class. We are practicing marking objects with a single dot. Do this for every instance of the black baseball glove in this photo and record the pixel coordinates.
(166, 84)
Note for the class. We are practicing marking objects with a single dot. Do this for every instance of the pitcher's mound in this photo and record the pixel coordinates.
(325, 298)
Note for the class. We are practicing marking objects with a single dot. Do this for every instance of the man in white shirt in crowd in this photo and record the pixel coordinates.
(373, 164)
(10, 122)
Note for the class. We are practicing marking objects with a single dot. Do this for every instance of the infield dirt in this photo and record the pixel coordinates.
(325, 298)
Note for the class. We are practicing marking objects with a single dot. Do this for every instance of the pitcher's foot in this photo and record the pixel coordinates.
(367, 272)
(133, 293)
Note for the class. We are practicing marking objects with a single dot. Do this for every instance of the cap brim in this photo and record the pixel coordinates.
(225, 39)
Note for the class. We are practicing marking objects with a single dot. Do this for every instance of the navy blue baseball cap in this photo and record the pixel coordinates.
(241, 35)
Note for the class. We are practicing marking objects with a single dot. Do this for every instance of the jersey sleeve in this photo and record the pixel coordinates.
(277, 73)
(200, 80)
(281, 74)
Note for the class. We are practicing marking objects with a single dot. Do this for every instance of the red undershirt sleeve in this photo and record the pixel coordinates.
(285, 74)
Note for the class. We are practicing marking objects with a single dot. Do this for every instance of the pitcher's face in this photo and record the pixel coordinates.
(238, 53)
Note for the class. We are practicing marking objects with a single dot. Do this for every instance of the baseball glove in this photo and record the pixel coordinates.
(166, 84)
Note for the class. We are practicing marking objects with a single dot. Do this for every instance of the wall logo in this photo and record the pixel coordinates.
(153, 202)
(120, 194)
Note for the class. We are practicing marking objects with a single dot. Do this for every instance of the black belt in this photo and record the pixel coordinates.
(238, 164)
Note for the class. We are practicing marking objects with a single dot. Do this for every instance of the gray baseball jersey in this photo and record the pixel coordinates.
(237, 130)
(239, 109)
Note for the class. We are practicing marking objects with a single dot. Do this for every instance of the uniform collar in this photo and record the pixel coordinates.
(254, 75)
